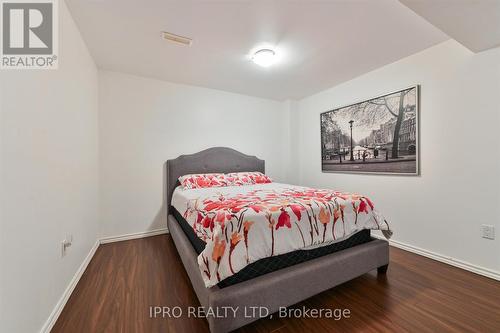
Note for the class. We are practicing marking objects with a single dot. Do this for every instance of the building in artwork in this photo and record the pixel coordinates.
(381, 136)
(384, 135)
(408, 137)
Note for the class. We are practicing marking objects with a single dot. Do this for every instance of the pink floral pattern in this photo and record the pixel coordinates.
(203, 180)
(247, 178)
(270, 220)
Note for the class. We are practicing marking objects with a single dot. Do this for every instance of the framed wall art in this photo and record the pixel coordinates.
(379, 135)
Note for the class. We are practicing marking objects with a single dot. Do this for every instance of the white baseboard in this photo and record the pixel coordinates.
(135, 235)
(47, 327)
(69, 290)
(444, 259)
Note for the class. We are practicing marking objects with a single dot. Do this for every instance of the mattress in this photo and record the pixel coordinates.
(274, 263)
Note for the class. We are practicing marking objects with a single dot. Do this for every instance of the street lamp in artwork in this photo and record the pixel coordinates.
(352, 153)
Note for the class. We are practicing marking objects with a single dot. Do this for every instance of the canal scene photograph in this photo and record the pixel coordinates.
(379, 135)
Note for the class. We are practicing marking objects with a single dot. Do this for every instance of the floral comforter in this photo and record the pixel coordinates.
(242, 224)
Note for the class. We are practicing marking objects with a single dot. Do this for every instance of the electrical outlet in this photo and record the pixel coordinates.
(63, 248)
(65, 244)
(488, 231)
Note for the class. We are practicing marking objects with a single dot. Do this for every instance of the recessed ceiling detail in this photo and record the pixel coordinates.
(318, 44)
(473, 23)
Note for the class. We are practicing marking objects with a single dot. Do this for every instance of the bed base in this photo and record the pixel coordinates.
(281, 288)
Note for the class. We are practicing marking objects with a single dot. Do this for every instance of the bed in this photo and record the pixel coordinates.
(267, 285)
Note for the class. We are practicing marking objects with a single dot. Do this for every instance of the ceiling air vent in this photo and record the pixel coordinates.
(176, 38)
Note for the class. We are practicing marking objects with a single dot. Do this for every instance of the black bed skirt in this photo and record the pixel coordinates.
(271, 264)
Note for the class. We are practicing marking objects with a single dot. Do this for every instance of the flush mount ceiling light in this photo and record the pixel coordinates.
(176, 38)
(264, 57)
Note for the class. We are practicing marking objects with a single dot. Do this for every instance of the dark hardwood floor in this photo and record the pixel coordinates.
(417, 295)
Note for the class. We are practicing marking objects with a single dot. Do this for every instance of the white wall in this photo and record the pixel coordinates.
(143, 122)
(48, 179)
(458, 189)
(52, 160)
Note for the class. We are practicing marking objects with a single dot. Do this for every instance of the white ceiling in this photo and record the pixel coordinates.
(473, 23)
(320, 43)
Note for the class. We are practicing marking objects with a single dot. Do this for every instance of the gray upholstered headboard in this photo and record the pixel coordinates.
(217, 159)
